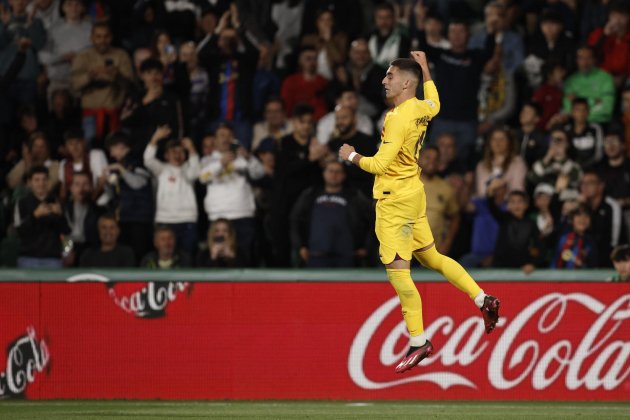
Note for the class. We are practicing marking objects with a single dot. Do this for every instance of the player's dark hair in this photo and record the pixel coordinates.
(302, 109)
(408, 65)
(620, 253)
(37, 169)
(579, 101)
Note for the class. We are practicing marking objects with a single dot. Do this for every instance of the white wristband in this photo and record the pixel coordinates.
(352, 155)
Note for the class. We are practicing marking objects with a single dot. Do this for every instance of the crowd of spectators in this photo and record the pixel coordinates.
(183, 133)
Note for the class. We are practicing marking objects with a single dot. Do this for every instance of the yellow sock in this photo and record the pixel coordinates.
(409, 299)
(449, 268)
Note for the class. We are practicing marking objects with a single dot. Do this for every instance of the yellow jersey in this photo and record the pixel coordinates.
(396, 162)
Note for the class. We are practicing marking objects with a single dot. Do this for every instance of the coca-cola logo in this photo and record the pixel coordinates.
(144, 299)
(532, 348)
(26, 356)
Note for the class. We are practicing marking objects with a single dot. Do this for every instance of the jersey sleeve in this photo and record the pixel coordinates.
(394, 136)
(431, 99)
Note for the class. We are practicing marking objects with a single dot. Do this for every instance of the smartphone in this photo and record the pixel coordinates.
(169, 49)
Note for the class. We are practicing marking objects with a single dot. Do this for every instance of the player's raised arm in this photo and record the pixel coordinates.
(431, 97)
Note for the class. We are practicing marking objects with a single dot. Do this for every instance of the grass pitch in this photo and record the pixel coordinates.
(145, 410)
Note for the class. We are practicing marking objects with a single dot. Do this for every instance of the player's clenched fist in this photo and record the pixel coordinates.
(419, 57)
(345, 150)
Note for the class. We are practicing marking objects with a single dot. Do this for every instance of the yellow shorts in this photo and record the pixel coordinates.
(402, 225)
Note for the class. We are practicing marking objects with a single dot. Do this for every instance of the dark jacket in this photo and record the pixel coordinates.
(360, 216)
(180, 260)
(518, 242)
(39, 237)
(90, 224)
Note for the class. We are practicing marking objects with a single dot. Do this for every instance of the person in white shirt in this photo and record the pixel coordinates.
(347, 98)
(227, 173)
(45, 10)
(176, 206)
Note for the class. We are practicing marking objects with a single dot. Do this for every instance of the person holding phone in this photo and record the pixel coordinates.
(222, 247)
(101, 75)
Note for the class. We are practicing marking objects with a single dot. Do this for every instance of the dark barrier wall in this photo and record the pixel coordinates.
(308, 340)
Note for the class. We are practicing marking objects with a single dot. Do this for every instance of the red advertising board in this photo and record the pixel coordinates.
(556, 341)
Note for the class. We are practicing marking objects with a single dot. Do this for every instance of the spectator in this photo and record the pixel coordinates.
(66, 38)
(331, 45)
(350, 99)
(549, 94)
(176, 78)
(179, 18)
(109, 254)
(614, 171)
(500, 160)
(100, 75)
(485, 229)
(305, 86)
(625, 116)
(497, 94)
(79, 159)
(517, 244)
(586, 138)
(592, 83)
(63, 116)
(576, 248)
(556, 168)
(620, 257)
(222, 247)
(152, 108)
(594, 15)
(330, 225)
(346, 132)
(207, 41)
(267, 82)
(442, 205)
(427, 28)
(388, 41)
(48, 11)
(130, 195)
(532, 141)
(512, 51)
(176, 207)
(39, 220)
(231, 68)
(296, 169)
(547, 217)
(458, 77)
(606, 219)
(198, 102)
(227, 173)
(19, 31)
(550, 45)
(287, 16)
(82, 215)
(448, 164)
(275, 124)
(35, 152)
(612, 42)
(166, 255)
(364, 76)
